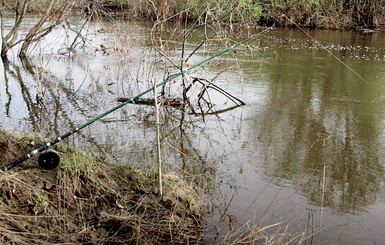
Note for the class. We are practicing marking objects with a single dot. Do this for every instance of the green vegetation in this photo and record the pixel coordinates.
(79, 162)
(239, 11)
(39, 204)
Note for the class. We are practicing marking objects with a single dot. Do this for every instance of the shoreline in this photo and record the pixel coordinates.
(339, 15)
(87, 200)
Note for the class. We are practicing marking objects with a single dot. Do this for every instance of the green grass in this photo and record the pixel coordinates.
(78, 161)
(39, 204)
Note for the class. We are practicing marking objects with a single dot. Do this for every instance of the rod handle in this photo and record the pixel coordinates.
(15, 163)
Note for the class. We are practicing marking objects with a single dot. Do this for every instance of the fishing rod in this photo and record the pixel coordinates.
(53, 159)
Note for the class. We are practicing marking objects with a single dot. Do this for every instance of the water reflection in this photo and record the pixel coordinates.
(55, 104)
(305, 110)
(328, 118)
(6, 81)
(46, 114)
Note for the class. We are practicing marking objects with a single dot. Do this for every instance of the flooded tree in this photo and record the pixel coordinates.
(55, 13)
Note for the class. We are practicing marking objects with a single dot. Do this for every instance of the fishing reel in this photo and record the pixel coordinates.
(49, 159)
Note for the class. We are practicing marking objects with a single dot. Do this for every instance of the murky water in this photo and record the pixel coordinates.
(307, 148)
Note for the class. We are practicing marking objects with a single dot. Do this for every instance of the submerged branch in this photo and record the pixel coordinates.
(173, 102)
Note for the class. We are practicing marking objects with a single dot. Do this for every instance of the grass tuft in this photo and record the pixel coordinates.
(78, 162)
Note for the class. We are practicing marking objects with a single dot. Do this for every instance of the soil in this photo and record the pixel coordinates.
(101, 203)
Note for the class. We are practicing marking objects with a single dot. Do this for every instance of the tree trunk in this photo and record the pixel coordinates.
(31, 35)
(4, 50)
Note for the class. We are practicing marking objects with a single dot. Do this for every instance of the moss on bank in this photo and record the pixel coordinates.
(87, 200)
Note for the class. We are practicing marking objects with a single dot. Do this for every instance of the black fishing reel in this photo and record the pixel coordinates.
(49, 159)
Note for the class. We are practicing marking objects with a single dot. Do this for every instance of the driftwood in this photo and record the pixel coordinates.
(178, 102)
(173, 102)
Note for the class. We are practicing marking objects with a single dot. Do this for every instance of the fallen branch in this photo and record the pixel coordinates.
(173, 102)
(209, 84)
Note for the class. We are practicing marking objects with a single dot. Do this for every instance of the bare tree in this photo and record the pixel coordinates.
(55, 12)
(8, 41)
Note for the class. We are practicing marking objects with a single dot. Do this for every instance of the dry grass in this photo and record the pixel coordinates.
(275, 234)
(88, 201)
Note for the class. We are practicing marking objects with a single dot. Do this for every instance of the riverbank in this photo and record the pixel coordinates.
(336, 15)
(339, 15)
(87, 200)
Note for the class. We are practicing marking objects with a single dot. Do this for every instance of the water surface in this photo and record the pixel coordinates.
(308, 146)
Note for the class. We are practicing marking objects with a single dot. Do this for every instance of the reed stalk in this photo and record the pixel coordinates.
(159, 154)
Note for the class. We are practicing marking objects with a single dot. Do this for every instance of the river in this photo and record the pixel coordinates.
(306, 152)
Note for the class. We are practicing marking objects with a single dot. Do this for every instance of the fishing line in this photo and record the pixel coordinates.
(130, 100)
(355, 73)
(327, 50)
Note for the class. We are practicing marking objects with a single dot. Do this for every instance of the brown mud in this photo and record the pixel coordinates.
(86, 200)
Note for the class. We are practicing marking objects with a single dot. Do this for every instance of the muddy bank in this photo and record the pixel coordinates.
(86, 200)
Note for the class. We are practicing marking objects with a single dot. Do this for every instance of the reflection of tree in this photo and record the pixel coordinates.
(45, 114)
(319, 113)
(31, 105)
(179, 134)
(60, 109)
(6, 68)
